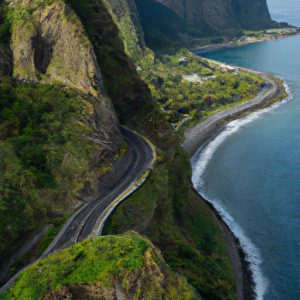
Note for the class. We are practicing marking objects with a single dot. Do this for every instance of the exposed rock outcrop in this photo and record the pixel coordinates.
(49, 45)
(222, 15)
(126, 17)
(114, 52)
(183, 21)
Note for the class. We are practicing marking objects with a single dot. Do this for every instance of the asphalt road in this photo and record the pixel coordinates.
(125, 172)
(195, 136)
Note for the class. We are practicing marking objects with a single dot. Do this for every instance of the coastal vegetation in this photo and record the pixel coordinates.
(187, 86)
(173, 24)
(174, 198)
(43, 105)
(127, 265)
(168, 211)
(52, 142)
(49, 158)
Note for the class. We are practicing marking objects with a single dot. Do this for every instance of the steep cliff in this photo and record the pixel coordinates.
(49, 45)
(110, 40)
(55, 139)
(44, 37)
(214, 14)
(58, 128)
(127, 19)
(186, 21)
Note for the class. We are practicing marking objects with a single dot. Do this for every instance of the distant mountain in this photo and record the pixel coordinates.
(182, 22)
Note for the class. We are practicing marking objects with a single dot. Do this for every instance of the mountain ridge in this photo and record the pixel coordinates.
(189, 22)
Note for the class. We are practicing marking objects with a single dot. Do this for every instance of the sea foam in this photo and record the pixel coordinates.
(200, 162)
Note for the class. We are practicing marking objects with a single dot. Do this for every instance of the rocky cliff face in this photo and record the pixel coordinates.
(253, 15)
(49, 45)
(110, 27)
(207, 14)
(127, 19)
(188, 20)
(223, 15)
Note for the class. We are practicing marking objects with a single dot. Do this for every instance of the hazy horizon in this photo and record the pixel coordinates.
(285, 11)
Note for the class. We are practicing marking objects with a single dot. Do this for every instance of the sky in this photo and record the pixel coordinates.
(285, 11)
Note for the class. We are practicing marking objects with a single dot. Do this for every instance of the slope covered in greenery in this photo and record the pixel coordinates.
(45, 157)
(187, 86)
(181, 243)
(48, 156)
(52, 143)
(103, 268)
(126, 17)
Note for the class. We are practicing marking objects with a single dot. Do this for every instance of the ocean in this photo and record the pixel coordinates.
(251, 171)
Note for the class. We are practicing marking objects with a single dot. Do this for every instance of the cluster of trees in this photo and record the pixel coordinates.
(180, 98)
(168, 212)
(43, 155)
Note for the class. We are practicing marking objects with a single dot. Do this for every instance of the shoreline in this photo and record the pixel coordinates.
(202, 133)
(240, 266)
(239, 43)
(198, 137)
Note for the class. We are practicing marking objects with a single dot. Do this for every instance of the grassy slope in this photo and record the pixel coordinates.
(126, 261)
(45, 158)
(121, 80)
(126, 18)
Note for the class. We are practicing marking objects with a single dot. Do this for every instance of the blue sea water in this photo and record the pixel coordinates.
(251, 172)
(285, 11)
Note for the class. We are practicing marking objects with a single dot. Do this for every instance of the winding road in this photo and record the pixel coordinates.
(202, 132)
(197, 137)
(132, 169)
(127, 174)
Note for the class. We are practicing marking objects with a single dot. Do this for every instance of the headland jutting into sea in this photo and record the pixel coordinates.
(201, 141)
